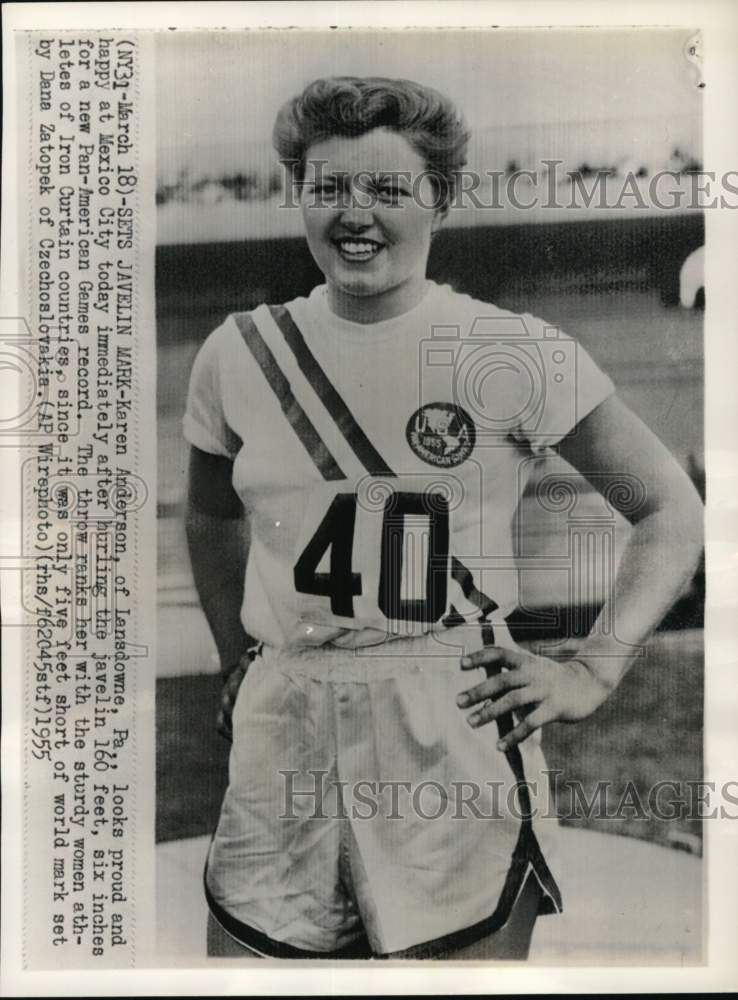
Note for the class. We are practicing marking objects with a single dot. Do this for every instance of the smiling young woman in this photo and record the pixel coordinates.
(368, 223)
(379, 490)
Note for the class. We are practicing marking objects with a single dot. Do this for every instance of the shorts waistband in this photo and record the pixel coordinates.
(401, 656)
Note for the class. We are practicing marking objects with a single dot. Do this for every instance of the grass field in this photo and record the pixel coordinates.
(650, 730)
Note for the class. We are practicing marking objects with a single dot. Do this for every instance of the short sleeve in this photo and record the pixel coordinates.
(204, 423)
(565, 385)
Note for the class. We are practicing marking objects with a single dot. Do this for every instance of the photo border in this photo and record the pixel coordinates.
(719, 22)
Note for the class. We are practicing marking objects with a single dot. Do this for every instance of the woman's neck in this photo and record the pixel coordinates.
(377, 308)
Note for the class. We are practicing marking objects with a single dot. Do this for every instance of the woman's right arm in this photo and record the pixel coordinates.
(217, 536)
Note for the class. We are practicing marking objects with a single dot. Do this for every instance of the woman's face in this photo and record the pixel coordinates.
(368, 207)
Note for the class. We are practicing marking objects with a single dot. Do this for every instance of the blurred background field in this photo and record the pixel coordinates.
(610, 278)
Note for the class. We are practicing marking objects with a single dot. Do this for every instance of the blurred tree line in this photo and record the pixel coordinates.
(243, 185)
(254, 184)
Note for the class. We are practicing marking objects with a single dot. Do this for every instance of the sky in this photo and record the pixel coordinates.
(221, 89)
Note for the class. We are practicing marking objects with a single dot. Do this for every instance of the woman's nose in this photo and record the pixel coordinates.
(357, 205)
(356, 218)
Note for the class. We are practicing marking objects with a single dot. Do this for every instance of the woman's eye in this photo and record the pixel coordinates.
(323, 193)
(391, 191)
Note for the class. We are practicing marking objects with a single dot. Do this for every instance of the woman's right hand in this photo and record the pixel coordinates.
(228, 695)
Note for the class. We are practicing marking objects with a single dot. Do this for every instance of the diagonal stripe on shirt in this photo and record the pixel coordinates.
(334, 404)
(296, 416)
(465, 580)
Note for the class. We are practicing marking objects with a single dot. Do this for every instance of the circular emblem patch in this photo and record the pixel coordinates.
(442, 434)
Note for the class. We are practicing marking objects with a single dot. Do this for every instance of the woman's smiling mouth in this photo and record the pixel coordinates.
(357, 249)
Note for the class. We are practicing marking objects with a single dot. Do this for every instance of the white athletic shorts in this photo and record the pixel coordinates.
(364, 815)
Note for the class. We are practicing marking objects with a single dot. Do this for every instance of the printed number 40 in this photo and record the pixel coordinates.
(341, 584)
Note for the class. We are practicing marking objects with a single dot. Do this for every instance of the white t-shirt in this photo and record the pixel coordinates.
(381, 464)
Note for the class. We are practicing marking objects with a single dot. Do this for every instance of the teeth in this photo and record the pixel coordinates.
(349, 246)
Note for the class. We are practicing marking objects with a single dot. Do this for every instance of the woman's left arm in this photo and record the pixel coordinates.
(610, 446)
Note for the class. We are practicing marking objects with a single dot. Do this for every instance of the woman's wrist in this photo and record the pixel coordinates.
(607, 670)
